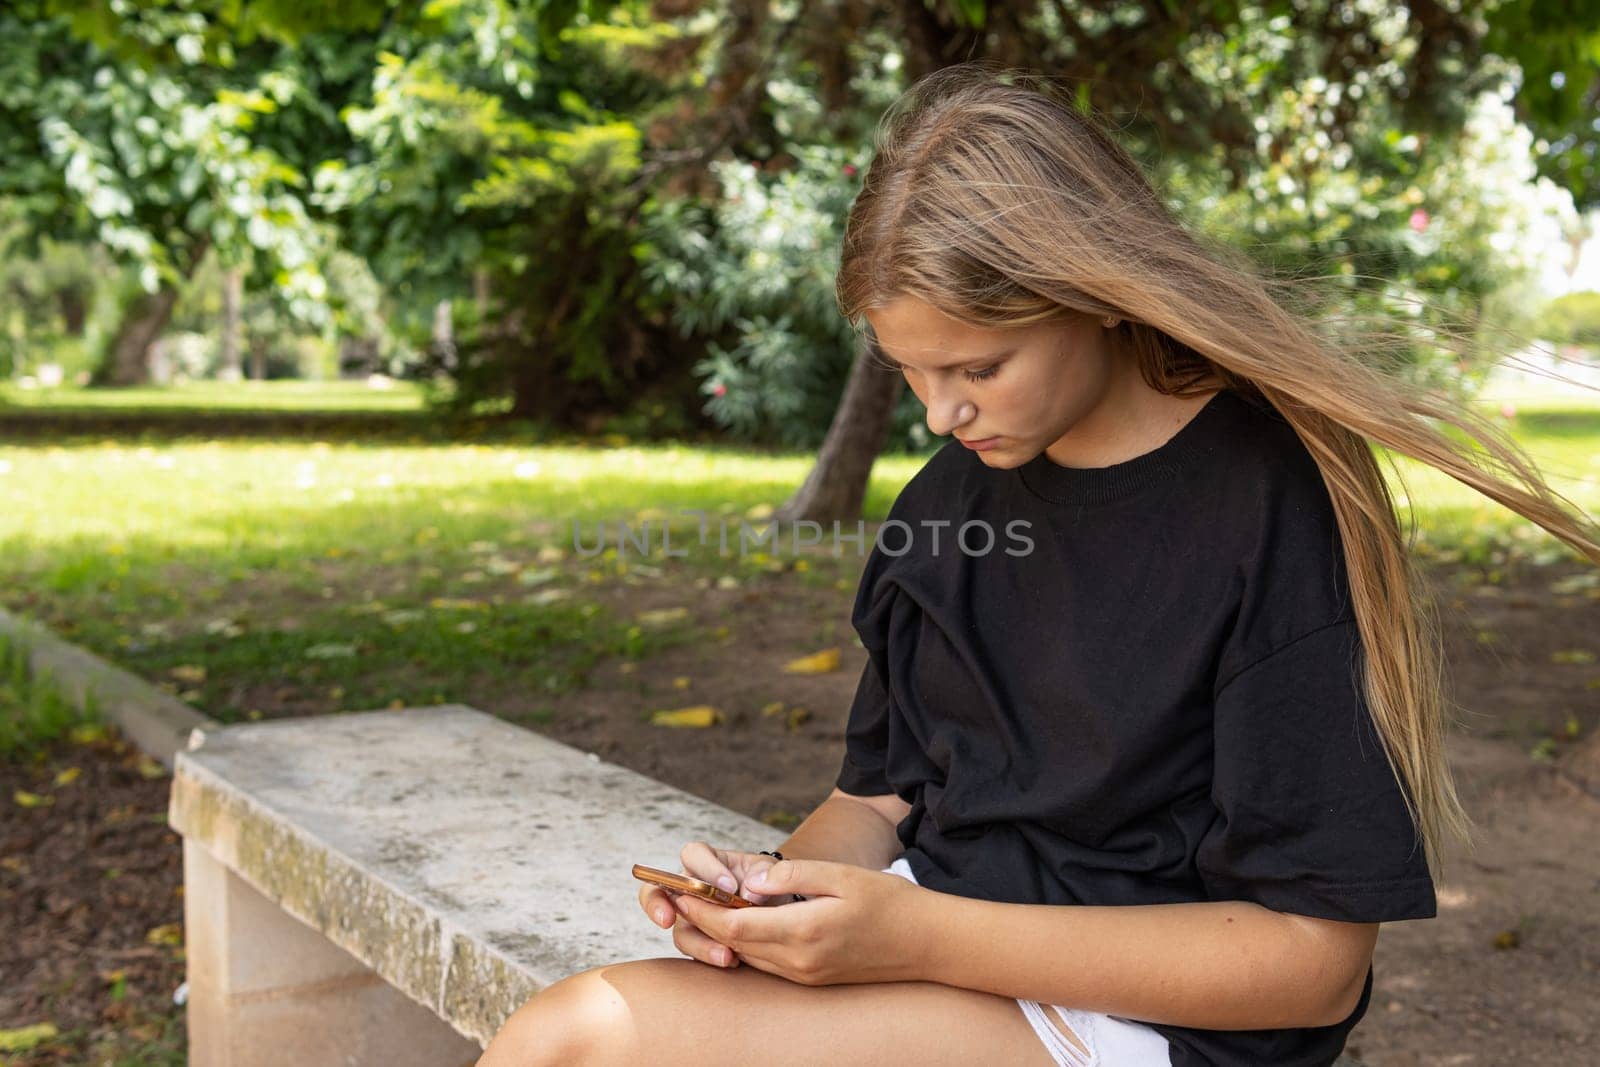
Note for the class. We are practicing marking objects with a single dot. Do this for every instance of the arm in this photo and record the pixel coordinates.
(1222, 965)
(850, 829)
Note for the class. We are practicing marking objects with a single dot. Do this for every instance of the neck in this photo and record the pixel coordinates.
(1130, 420)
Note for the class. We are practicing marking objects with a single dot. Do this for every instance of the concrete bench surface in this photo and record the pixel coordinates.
(388, 887)
(462, 860)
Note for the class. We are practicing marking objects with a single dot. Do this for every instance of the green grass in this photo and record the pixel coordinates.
(33, 713)
(313, 575)
(1455, 523)
(207, 396)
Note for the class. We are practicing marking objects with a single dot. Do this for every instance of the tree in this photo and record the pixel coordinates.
(156, 164)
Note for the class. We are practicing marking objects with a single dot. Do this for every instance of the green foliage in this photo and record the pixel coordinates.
(57, 303)
(492, 149)
(752, 273)
(1573, 319)
(33, 713)
(1441, 228)
(1556, 45)
(156, 164)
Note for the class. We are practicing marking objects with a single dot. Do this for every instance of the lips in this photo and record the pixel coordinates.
(978, 444)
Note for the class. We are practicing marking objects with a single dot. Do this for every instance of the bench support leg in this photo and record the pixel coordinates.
(265, 989)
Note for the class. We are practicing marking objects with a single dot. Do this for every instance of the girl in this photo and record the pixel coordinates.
(1150, 737)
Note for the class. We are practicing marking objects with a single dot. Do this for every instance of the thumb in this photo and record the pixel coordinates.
(796, 876)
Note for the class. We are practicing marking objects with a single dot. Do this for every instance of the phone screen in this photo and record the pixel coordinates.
(683, 883)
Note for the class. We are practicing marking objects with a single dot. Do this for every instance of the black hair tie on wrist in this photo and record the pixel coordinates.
(775, 854)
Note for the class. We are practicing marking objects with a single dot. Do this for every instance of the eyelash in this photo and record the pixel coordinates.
(970, 375)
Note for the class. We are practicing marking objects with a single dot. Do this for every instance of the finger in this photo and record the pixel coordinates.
(657, 904)
(805, 877)
(703, 862)
(736, 928)
(748, 868)
(693, 942)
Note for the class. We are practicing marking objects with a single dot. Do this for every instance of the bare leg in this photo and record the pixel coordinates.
(682, 1011)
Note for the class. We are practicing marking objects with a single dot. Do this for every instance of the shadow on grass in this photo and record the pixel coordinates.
(29, 425)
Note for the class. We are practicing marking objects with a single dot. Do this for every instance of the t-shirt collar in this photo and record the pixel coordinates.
(1098, 485)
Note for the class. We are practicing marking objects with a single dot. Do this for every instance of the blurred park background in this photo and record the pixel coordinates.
(322, 326)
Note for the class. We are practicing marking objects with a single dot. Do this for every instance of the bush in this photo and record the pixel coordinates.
(1573, 319)
(752, 275)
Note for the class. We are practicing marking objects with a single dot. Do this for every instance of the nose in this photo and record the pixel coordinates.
(948, 411)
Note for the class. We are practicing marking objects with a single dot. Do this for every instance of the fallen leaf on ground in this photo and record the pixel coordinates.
(447, 603)
(32, 800)
(1507, 939)
(192, 673)
(662, 616)
(168, 934)
(27, 1037)
(68, 776)
(697, 717)
(87, 735)
(816, 663)
(774, 708)
(330, 651)
(1572, 655)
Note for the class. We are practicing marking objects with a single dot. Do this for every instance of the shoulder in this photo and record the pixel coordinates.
(1264, 463)
(1289, 553)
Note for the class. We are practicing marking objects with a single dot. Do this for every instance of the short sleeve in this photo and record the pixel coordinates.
(866, 739)
(1309, 817)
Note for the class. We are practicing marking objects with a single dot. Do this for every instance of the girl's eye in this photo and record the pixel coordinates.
(980, 375)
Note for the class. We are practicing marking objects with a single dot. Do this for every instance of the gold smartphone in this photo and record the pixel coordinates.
(682, 883)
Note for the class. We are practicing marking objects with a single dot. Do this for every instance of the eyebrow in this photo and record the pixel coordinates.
(979, 362)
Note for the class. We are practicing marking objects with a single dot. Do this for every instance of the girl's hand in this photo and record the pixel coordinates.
(855, 925)
(723, 869)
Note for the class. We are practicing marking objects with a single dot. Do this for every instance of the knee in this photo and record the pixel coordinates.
(578, 1020)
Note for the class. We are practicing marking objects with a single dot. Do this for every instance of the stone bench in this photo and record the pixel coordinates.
(388, 887)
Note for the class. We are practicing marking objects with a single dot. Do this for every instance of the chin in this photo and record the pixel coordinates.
(1002, 458)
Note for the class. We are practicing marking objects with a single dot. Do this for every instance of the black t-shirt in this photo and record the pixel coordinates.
(1145, 691)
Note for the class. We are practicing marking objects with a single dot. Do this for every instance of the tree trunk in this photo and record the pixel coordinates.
(482, 286)
(74, 304)
(128, 361)
(837, 485)
(228, 366)
(258, 360)
(443, 345)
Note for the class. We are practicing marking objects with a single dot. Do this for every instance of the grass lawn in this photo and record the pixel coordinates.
(304, 576)
(207, 396)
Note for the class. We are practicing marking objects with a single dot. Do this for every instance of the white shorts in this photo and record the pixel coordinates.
(1112, 1042)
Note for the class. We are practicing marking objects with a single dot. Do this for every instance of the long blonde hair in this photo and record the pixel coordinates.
(994, 199)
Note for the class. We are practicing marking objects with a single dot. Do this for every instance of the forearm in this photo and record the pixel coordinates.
(844, 831)
(1223, 965)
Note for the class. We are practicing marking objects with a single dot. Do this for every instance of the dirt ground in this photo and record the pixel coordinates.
(91, 908)
(1508, 973)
